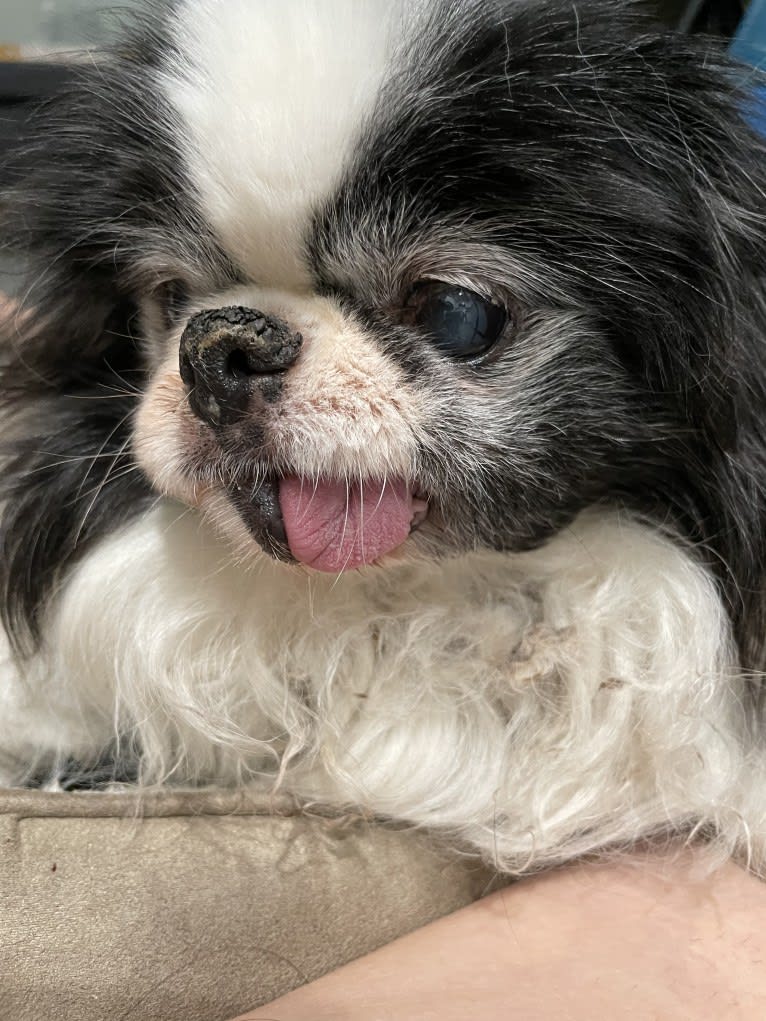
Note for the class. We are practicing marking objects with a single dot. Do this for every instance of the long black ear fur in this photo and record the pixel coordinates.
(93, 178)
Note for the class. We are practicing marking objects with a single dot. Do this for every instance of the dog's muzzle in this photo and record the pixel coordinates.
(234, 362)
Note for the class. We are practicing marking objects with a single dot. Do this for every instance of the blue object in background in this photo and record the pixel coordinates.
(755, 112)
(749, 46)
(749, 43)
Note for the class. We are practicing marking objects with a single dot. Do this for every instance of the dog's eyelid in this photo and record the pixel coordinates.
(479, 287)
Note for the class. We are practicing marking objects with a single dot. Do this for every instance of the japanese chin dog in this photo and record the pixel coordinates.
(384, 422)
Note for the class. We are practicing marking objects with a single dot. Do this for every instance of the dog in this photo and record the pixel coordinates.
(384, 422)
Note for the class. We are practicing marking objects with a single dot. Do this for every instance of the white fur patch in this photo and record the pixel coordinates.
(271, 98)
(534, 706)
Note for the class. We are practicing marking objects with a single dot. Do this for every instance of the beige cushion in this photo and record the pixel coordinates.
(197, 906)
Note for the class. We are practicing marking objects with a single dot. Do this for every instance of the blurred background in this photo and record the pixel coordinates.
(30, 29)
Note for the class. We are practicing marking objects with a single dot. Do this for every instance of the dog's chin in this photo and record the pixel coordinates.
(328, 525)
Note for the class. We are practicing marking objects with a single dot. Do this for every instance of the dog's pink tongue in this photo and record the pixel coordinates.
(332, 527)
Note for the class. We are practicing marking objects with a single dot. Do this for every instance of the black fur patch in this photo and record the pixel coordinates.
(69, 478)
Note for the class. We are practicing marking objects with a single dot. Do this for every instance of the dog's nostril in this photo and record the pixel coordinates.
(238, 366)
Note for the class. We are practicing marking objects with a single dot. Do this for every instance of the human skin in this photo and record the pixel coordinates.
(653, 938)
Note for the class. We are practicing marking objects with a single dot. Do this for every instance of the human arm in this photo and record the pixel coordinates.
(648, 938)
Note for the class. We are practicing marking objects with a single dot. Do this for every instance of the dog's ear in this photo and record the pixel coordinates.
(717, 363)
(98, 208)
(69, 381)
(70, 365)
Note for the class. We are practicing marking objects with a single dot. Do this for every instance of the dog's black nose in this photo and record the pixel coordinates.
(226, 353)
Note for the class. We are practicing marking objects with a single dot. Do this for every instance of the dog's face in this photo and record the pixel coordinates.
(409, 393)
(422, 345)
(401, 364)
(405, 279)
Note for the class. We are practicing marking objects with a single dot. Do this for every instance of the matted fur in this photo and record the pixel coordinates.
(565, 655)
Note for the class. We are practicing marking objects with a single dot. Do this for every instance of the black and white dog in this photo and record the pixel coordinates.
(385, 420)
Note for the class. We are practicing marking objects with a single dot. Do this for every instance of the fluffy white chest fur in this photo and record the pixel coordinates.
(533, 706)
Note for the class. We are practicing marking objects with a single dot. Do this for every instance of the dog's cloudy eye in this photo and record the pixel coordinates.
(460, 322)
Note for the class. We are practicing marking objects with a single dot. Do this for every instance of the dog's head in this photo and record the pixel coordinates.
(366, 281)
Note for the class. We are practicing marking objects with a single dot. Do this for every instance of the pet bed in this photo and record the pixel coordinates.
(198, 905)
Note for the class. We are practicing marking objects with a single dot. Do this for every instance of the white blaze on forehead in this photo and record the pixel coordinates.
(272, 96)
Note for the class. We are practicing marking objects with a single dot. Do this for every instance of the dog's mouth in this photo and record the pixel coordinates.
(329, 525)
